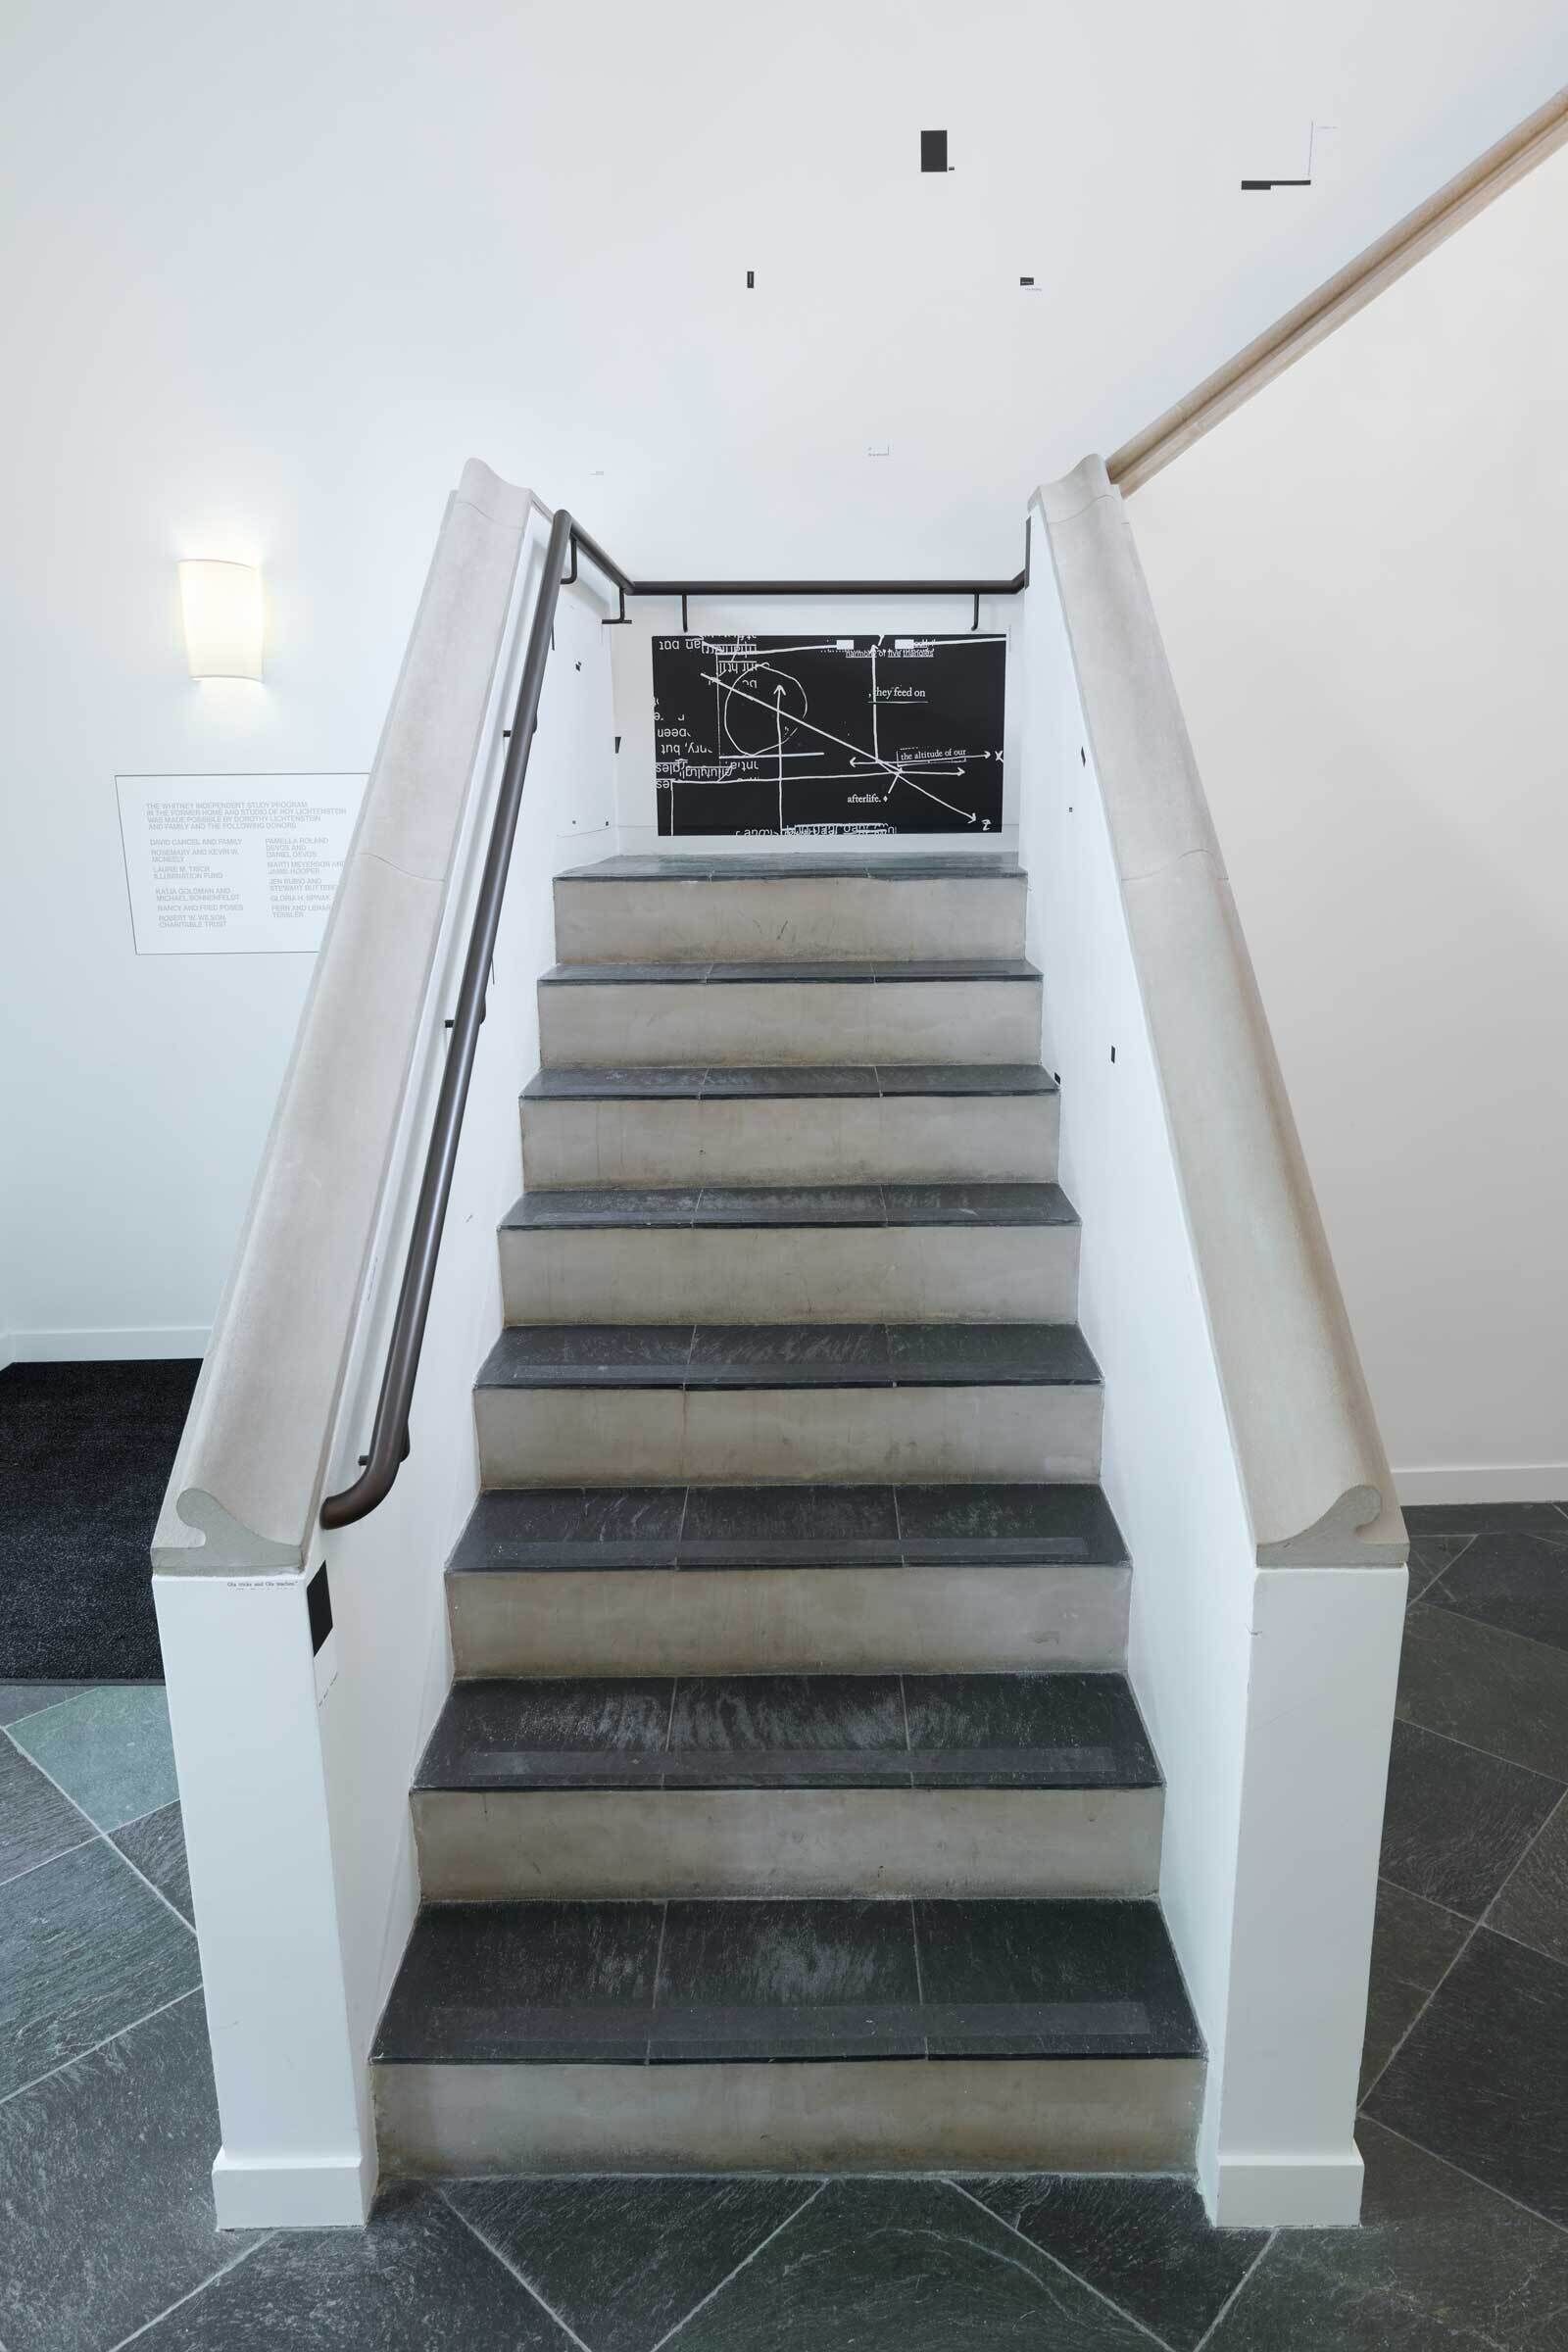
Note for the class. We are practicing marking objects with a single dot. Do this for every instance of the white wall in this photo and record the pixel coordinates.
(303, 1917)
(1268, 1692)
(1362, 581)
(271, 275)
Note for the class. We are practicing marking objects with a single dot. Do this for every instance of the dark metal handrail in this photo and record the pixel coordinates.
(389, 1436)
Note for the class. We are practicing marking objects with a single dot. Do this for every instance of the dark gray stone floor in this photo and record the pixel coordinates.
(108, 2124)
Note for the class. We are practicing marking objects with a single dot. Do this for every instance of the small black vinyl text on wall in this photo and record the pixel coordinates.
(828, 735)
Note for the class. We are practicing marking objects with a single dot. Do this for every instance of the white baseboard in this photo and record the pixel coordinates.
(128, 1342)
(1284, 2192)
(1484, 1481)
(282, 2193)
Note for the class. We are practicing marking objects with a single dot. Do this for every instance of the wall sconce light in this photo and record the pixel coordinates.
(225, 618)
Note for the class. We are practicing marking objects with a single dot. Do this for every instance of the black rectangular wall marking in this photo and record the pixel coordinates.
(933, 150)
(319, 1609)
(828, 735)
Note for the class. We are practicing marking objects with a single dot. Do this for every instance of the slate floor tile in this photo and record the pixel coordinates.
(903, 2266)
(1455, 1823)
(85, 1950)
(36, 1821)
(1146, 2245)
(624, 2260)
(1518, 1583)
(109, 1749)
(1430, 1558)
(416, 2279)
(106, 2187)
(1424, 1519)
(1533, 1906)
(1483, 2076)
(18, 1700)
(1437, 2260)
(1490, 1690)
(155, 1846)
(1413, 1942)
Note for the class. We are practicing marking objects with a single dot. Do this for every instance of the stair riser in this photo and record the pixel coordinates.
(837, 916)
(716, 1436)
(632, 1023)
(595, 1842)
(886, 2115)
(791, 1274)
(707, 1620)
(909, 1139)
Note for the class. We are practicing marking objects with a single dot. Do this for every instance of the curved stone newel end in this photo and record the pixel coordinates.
(227, 1547)
(1060, 501)
(1303, 1426)
(1360, 1530)
(481, 488)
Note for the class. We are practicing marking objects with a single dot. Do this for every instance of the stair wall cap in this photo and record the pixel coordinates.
(1309, 1453)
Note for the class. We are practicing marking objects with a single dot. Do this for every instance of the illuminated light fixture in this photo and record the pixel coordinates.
(225, 618)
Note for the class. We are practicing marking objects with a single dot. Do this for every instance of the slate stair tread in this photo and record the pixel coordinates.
(794, 1355)
(949, 1525)
(997, 865)
(548, 1207)
(791, 1731)
(792, 1081)
(710, 1981)
(805, 971)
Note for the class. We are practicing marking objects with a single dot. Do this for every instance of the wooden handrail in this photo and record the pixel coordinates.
(1340, 297)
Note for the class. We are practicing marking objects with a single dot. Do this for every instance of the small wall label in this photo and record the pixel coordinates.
(234, 865)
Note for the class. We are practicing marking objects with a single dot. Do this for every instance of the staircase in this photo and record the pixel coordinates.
(791, 1808)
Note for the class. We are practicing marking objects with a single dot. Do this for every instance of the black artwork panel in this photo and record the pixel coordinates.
(828, 735)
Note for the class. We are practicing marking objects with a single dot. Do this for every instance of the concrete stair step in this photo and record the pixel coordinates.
(652, 908)
(819, 1123)
(767, 1252)
(695, 2035)
(757, 1578)
(767, 1011)
(999, 1784)
(680, 1403)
